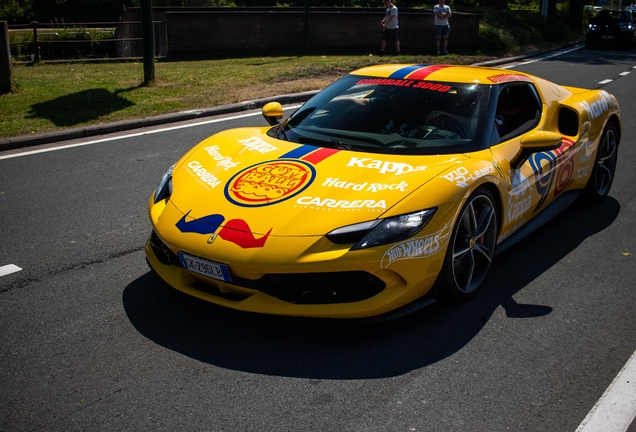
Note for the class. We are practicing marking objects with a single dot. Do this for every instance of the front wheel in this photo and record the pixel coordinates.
(600, 182)
(472, 246)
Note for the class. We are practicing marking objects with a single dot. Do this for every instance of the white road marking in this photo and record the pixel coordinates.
(606, 81)
(624, 73)
(8, 269)
(616, 409)
(546, 57)
(121, 137)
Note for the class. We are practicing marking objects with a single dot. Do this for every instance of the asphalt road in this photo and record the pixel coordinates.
(91, 340)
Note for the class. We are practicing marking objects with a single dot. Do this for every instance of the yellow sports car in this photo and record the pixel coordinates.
(392, 186)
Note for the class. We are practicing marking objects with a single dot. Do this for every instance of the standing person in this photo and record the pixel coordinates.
(442, 28)
(390, 27)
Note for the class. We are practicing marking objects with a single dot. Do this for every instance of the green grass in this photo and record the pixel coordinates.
(47, 97)
(53, 96)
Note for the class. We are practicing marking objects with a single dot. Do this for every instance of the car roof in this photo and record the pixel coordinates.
(445, 73)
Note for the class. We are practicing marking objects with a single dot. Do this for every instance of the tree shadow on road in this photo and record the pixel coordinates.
(292, 348)
(81, 107)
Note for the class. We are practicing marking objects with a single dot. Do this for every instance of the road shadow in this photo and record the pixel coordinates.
(292, 348)
(81, 107)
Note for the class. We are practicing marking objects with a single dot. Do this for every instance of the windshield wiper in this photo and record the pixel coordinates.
(332, 143)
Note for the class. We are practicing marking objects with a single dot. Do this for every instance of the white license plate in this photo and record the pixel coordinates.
(206, 268)
(607, 37)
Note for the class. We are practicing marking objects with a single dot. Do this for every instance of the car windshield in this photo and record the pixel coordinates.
(607, 16)
(380, 115)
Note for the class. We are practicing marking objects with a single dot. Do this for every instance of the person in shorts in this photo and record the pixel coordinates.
(390, 27)
(442, 13)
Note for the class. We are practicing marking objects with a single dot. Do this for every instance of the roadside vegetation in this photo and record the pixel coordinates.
(50, 96)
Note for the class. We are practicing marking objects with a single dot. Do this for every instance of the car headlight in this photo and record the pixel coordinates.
(164, 190)
(591, 27)
(381, 231)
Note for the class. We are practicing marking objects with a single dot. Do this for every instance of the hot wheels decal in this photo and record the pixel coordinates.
(418, 247)
(236, 231)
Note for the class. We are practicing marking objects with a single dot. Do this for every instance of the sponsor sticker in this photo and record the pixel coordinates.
(269, 182)
(415, 248)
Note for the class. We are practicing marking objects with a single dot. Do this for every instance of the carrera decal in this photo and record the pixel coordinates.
(236, 231)
(330, 203)
(552, 168)
(418, 247)
(502, 78)
(205, 177)
(268, 183)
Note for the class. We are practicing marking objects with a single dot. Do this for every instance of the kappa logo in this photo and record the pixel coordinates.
(384, 167)
(269, 183)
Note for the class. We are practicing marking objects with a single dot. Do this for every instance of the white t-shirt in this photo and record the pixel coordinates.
(438, 8)
(391, 21)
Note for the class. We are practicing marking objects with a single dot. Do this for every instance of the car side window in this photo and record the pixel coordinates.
(518, 111)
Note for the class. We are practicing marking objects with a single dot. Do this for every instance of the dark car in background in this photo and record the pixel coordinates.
(612, 27)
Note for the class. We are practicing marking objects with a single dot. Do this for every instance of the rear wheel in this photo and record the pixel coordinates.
(472, 246)
(600, 182)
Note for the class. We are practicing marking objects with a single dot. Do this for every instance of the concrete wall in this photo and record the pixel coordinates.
(214, 31)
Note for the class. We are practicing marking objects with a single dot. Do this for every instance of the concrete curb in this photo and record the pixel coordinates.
(90, 131)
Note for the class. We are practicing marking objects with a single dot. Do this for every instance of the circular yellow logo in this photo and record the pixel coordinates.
(269, 182)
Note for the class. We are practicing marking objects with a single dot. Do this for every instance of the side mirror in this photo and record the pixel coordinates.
(536, 142)
(273, 112)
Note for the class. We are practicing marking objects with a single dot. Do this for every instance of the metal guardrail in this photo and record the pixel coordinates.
(61, 41)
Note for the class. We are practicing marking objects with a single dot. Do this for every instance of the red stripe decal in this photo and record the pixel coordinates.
(421, 74)
(319, 155)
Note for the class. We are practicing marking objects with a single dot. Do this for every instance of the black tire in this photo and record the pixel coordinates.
(472, 246)
(600, 181)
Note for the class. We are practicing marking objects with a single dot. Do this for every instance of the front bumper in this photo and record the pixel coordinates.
(343, 294)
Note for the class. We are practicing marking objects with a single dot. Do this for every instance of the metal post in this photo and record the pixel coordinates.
(6, 67)
(36, 44)
(306, 28)
(148, 41)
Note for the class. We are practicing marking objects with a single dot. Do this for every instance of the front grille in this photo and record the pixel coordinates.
(317, 288)
(297, 288)
(162, 252)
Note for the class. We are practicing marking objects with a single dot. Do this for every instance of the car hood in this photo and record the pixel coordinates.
(244, 180)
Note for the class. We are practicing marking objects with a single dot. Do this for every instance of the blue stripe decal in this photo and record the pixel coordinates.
(299, 152)
(402, 73)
